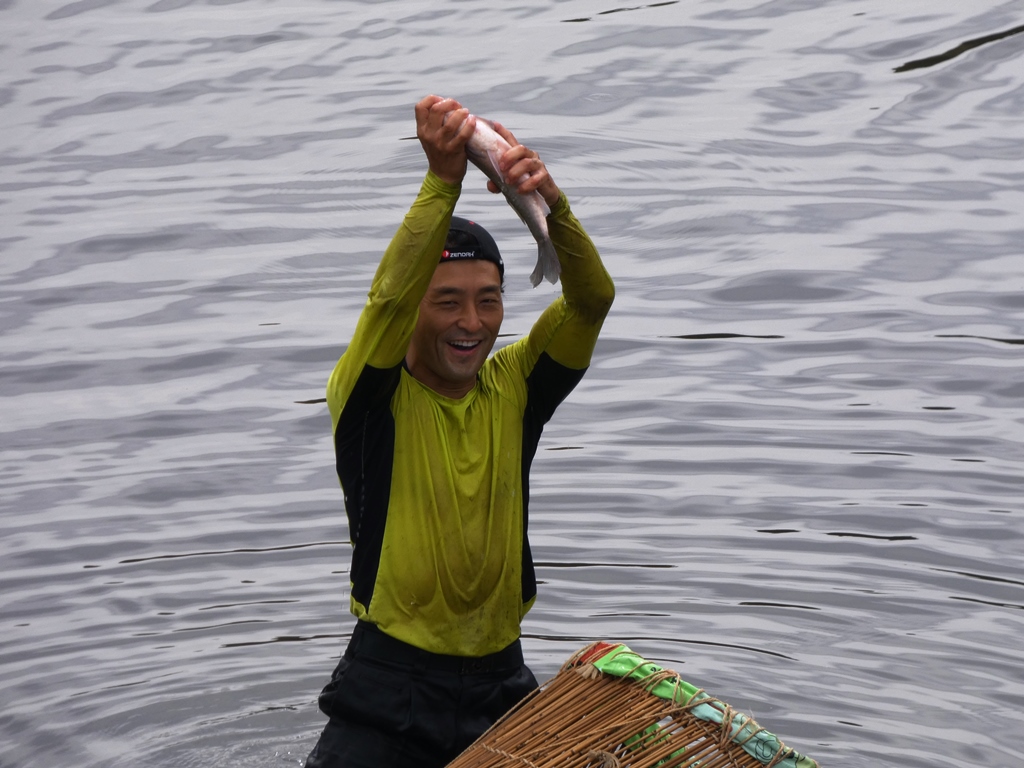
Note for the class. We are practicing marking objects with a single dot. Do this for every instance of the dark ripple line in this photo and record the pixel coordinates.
(877, 537)
(246, 550)
(287, 639)
(705, 336)
(879, 453)
(759, 604)
(983, 338)
(987, 602)
(982, 577)
(219, 626)
(620, 10)
(604, 565)
(674, 640)
(133, 684)
(952, 53)
(248, 602)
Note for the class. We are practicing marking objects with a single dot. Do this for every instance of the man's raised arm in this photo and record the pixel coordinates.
(387, 321)
(587, 288)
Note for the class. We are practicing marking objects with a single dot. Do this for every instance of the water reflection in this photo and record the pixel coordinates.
(792, 472)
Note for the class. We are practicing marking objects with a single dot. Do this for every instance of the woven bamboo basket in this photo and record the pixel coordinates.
(610, 708)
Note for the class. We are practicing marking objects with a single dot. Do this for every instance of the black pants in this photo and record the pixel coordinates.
(392, 705)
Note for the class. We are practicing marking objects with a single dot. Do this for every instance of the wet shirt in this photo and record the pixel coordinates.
(437, 489)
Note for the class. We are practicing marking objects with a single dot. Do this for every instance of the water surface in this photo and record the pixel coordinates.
(792, 473)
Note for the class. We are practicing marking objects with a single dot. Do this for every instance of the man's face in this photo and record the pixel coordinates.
(459, 319)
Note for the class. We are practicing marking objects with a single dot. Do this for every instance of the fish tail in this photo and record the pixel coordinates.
(547, 263)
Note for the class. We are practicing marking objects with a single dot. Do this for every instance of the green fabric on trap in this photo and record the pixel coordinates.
(761, 744)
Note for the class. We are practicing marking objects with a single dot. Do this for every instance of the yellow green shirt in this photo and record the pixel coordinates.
(437, 490)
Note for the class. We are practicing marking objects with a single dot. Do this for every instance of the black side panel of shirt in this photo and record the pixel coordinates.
(364, 446)
(547, 386)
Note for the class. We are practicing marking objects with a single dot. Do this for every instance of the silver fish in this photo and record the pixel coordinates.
(485, 149)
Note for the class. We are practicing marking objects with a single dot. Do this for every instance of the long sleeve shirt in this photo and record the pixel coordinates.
(437, 489)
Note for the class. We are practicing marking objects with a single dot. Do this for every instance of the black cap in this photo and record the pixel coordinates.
(468, 240)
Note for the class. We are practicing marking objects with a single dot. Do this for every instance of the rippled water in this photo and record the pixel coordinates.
(793, 472)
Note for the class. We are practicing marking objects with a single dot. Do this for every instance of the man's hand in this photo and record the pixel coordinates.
(520, 161)
(443, 127)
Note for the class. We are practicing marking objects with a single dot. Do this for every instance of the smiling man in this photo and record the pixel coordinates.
(434, 441)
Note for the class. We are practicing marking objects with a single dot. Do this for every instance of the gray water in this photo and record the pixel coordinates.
(793, 473)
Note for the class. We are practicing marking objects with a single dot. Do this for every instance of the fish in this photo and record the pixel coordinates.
(485, 149)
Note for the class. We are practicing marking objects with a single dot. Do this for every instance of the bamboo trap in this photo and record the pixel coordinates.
(609, 708)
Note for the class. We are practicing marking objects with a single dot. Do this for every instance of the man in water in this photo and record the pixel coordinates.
(434, 443)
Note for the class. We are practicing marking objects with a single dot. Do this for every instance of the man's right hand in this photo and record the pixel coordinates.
(443, 127)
